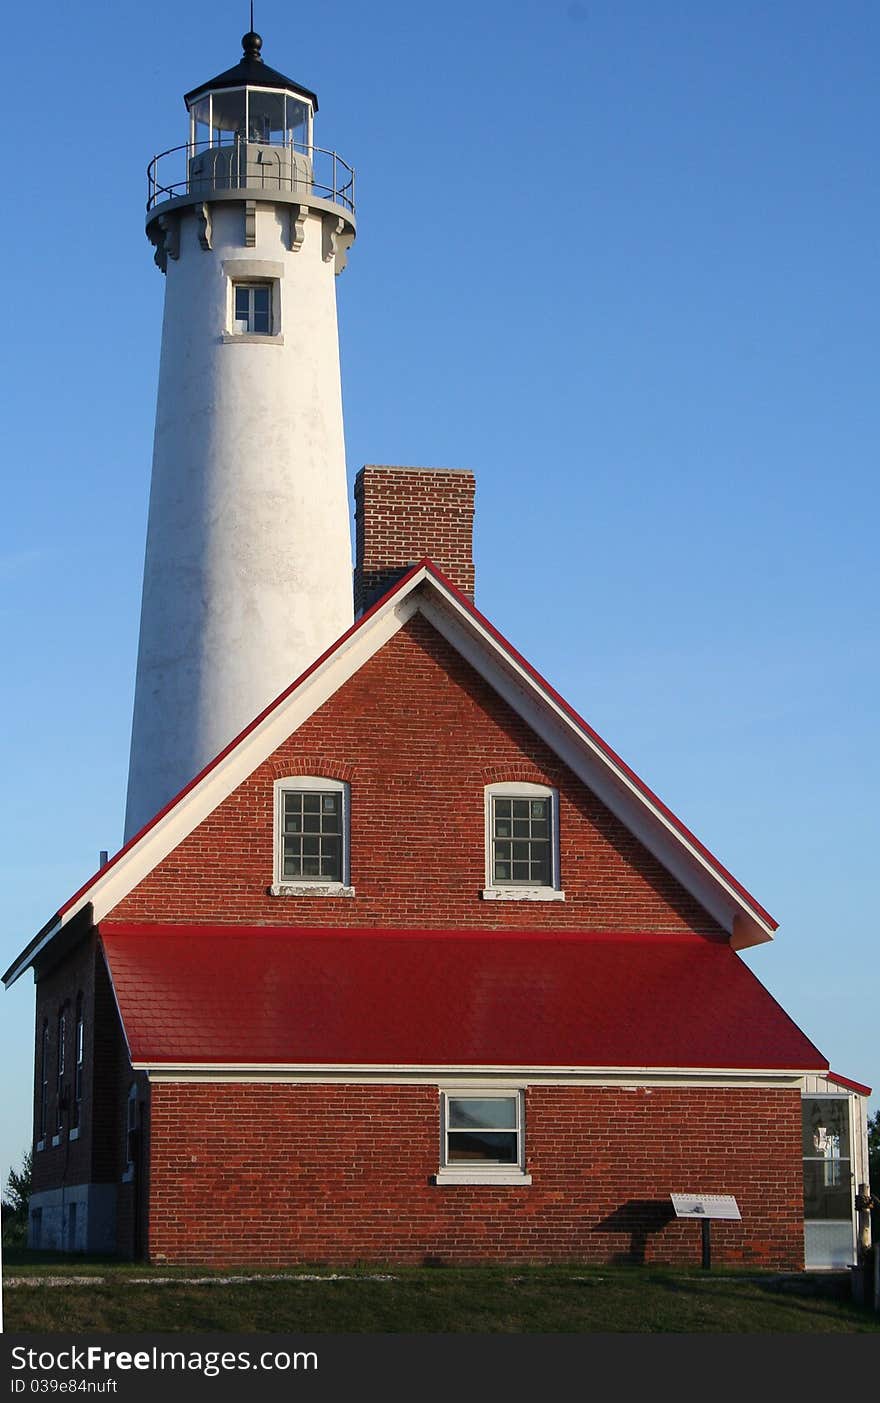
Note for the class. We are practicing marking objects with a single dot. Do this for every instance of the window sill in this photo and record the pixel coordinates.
(486, 1176)
(250, 338)
(523, 894)
(310, 889)
(74, 1134)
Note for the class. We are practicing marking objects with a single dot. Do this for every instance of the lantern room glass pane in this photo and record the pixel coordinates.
(201, 120)
(298, 115)
(227, 116)
(266, 117)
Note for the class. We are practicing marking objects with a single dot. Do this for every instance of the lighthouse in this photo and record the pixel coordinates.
(247, 572)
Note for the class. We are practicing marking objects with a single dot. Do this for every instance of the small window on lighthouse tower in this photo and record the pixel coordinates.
(253, 308)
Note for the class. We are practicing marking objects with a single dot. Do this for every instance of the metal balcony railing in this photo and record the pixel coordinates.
(202, 167)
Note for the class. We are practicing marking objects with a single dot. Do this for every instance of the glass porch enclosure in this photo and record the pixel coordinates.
(261, 116)
(829, 1217)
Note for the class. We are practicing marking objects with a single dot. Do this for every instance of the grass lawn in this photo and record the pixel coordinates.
(519, 1300)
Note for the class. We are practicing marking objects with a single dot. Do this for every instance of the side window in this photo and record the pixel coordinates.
(78, 1055)
(61, 1065)
(132, 1130)
(482, 1137)
(311, 837)
(522, 842)
(44, 1086)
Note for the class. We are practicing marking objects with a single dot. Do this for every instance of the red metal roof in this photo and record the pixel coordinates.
(858, 1086)
(269, 995)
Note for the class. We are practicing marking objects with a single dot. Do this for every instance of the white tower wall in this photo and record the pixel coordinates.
(247, 577)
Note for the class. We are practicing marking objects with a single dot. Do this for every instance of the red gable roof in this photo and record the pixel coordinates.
(267, 996)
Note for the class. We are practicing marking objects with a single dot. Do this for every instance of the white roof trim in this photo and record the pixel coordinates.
(27, 957)
(322, 1071)
(424, 593)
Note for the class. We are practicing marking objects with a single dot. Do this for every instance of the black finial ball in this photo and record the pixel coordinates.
(252, 44)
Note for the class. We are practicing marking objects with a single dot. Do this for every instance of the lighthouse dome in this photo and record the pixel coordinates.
(251, 71)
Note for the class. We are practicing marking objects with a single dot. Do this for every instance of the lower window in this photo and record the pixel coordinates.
(482, 1137)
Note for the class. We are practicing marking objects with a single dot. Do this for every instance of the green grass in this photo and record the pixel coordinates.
(418, 1300)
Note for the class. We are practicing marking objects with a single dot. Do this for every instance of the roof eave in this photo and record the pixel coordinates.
(251, 76)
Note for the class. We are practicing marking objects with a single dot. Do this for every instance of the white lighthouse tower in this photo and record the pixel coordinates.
(247, 577)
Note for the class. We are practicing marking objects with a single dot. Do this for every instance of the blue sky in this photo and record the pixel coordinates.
(620, 259)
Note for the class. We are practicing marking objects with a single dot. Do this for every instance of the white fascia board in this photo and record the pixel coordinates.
(543, 714)
(241, 761)
(29, 956)
(398, 1074)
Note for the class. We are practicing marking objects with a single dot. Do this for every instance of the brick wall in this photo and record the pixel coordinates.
(97, 1154)
(282, 1174)
(418, 734)
(404, 514)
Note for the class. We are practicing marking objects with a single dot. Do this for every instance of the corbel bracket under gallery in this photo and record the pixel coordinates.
(164, 232)
(337, 238)
(298, 216)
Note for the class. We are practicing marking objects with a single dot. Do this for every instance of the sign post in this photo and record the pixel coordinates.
(706, 1207)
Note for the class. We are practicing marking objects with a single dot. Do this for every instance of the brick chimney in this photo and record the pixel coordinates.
(403, 514)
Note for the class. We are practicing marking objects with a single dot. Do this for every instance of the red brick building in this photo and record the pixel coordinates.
(417, 969)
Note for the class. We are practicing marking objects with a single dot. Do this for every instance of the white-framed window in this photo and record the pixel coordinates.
(44, 1086)
(79, 1050)
(522, 842)
(253, 301)
(482, 1136)
(132, 1128)
(252, 308)
(61, 1065)
(312, 828)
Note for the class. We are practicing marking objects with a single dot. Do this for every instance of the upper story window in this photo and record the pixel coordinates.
(522, 842)
(44, 1085)
(132, 1129)
(62, 1066)
(311, 837)
(252, 311)
(78, 1052)
(482, 1137)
